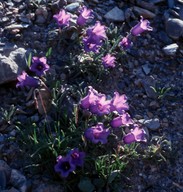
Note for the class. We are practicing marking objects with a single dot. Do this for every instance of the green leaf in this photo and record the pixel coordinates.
(48, 53)
(85, 185)
(29, 60)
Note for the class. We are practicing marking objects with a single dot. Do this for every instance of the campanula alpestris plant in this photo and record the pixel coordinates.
(125, 43)
(97, 134)
(143, 25)
(94, 36)
(64, 166)
(137, 134)
(62, 18)
(39, 65)
(123, 119)
(119, 103)
(85, 15)
(108, 61)
(77, 157)
(25, 80)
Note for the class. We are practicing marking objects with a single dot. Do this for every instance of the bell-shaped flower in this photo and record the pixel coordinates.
(77, 157)
(64, 166)
(101, 106)
(108, 61)
(143, 25)
(62, 18)
(136, 135)
(123, 119)
(125, 43)
(25, 80)
(91, 98)
(85, 14)
(94, 37)
(97, 134)
(119, 103)
(39, 65)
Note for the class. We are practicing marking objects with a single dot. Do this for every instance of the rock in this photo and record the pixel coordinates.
(72, 7)
(146, 69)
(16, 26)
(147, 5)
(149, 83)
(5, 167)
(171, 3)
(49, 188)
(152, 124)
(174, 28)
(170, 49)
(144, 12)
(41, 15)
(2, 180)
(10, 190)
(9, 70)
(115, 14)
(18, 180)
(12, 64)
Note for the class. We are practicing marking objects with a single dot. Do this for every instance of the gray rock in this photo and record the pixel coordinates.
(170, 49)
(174, 28)
(5, 167)
(9, 70)
(152, 124)
(10, 190)
(2, 180)
(17, 180)
(12, 64)
(149, 83)
(171, 3)
(48, 188)
(115, 14)
(72, 7)
(146, 69)
(144, 12)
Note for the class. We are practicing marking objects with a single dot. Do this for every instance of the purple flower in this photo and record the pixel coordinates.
(62, 18)
(143, 25)
(101, 106)
(91, 98)
(39, 65)
(108, 61)
(77, 158)
(119, 103)
(123, 119)
(85, 14)
(97, 134)
(25, 80)
(94, 37)
(64, 166)
(136, 135)
(125, 43)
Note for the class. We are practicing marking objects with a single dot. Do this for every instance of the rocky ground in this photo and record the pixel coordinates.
(155, 60)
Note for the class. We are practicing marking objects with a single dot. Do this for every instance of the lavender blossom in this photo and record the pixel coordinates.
(77, 157)
(123, 119)
(25, 80)
(64, 166)
(143, 25)
(125, 43)
(94, 37)
(101, 106)
(136, 135)
(119, 103)
(62, 18)
(39, 65)
(91, 98)
(97, 134)
(85, 14)
(108, 61)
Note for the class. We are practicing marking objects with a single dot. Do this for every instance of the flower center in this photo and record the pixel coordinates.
(39, 67)
(65, 166)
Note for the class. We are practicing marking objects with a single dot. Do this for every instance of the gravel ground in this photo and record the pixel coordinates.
(29, 24)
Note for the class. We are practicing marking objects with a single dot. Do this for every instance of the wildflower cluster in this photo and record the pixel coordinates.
(72, 140)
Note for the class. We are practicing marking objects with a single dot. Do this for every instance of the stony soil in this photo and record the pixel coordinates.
(146, 64)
